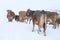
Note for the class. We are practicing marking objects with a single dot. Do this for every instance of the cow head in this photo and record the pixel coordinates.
(10, 15)
(28, 12)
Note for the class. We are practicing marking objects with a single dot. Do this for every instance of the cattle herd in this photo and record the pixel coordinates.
(38, 17)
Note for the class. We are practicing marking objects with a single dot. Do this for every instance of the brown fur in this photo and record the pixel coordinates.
(52, 17)
(37, 18)
(22, 16)
(10, 15)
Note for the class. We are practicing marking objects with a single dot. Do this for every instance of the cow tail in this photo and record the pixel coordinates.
(44, 25)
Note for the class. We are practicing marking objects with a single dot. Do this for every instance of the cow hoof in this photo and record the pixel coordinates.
(44, 34)
(26, 22)
(38, 31)
(9, 21)
(29, 22)
(54, 27)
(32, 30)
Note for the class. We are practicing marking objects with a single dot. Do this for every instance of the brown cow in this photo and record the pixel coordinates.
(52, 17)
(29, 15)
(38, 17)
(10, 15)
(58, 22)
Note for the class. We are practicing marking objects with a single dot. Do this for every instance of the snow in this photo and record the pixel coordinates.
(22, 31)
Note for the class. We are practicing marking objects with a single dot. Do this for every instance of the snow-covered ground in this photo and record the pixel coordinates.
(22, 31)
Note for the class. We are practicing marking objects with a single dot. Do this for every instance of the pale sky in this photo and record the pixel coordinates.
(32, 4)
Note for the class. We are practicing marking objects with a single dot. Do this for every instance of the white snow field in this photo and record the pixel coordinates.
(22, 31)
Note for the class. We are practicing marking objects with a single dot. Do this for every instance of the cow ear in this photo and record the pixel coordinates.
(57, 14)
(43, 10)
(28, 8)
(7, 10)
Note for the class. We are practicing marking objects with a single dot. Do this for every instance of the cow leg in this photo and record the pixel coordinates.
(54, 21)
(57, 25)
(54, 25)
(29, 21)
(39, 29)
(33, 26)
(44, 27)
